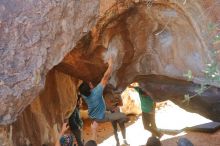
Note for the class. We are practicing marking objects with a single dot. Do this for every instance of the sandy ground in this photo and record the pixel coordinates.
(169, 117)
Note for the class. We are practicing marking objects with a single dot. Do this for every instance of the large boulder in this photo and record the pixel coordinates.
(35, 36)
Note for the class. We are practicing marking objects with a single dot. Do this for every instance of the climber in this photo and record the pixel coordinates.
(113, 107)
(148, 110)
(76, 123)
(93, 97)
(153, 141)
(184, 142)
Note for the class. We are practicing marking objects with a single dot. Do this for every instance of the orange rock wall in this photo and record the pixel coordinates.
(40, 122)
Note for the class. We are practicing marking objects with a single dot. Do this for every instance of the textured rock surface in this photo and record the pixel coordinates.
(144, 43)
(131, 102)
(40, 122)
(35, 36)
(165, 38)
(164, 88)
(161, 38)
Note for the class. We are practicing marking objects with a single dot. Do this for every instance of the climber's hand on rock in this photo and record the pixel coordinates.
(65, 127)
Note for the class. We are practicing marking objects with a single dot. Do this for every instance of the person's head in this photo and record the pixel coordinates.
(91, 85)
(66, 140)
(153, 141)
(84, 89)
(91, 143)
(184, 142)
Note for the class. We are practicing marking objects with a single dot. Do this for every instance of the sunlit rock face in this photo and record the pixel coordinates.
(131, 102)
(35, 36)
(161, 38)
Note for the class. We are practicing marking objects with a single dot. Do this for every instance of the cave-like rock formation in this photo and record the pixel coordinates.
(153, 42)
(162, 38)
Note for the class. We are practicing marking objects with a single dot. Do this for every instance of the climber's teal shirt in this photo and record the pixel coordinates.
(96, 103)
(146, 101)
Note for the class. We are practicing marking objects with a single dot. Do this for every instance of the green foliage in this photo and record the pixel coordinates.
(202, 88)
(187, 98)
(212, 71)
(216, 38)
(188, 75)
(212, 27)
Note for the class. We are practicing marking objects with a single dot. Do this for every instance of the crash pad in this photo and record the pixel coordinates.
(210, 127)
